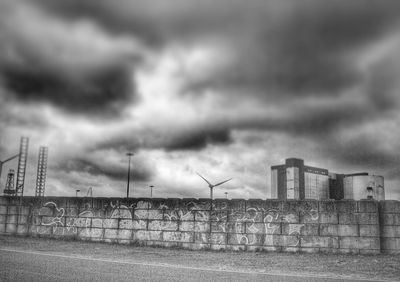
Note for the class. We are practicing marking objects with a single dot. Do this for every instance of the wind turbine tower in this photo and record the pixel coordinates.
(212, 185)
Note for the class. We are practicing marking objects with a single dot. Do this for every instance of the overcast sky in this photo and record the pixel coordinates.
(225, 88)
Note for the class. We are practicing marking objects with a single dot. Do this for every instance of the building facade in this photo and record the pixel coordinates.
(294, 180)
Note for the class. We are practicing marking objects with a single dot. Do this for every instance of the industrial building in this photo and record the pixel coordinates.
(357, 186)
(294, 180)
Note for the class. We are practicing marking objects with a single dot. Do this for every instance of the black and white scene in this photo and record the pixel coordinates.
(187, 140)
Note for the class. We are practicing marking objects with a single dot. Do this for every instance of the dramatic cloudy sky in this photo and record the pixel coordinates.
(225, 88)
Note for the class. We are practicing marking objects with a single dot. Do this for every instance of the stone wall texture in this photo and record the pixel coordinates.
(364, 227)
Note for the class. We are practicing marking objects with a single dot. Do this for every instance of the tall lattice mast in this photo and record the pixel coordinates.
(41, 171)
(23, 156)
(9, 189)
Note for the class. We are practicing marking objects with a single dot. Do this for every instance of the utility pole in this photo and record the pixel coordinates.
(151, 191)
(129, 154)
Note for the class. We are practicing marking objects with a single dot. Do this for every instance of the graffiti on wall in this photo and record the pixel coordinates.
(255, 226)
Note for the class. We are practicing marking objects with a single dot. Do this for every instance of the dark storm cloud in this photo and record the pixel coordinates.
(106, 90)
(292, 48)
(193, 139)
(74, 66)
(141, 173)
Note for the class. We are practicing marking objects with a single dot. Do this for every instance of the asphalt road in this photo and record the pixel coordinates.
(20, 265)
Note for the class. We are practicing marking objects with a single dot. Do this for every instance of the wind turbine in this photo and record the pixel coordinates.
(212, 185)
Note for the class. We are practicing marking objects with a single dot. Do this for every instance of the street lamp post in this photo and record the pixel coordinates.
(151, 191)
(129, 154)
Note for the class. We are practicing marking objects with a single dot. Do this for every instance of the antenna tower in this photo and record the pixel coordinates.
(9, 189)
(41, 171)
(23, 156)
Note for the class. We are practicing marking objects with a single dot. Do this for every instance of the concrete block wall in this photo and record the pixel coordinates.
(390, 226)
(272, 225)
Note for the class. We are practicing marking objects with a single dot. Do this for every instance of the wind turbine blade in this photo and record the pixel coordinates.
(222, 182)
(204, 179)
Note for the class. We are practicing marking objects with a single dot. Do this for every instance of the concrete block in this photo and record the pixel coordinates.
(95, 233)
(273, 205)
(202, 216)
(348, 230)
(22, 219)
(391, 219)
(141, 214)
(392, 244)
(236, 248)
(327, 206)
(245, 239)
(369, 243)
(2, 228)
(236, 227)
(124, 234)
(126, 224)
(368, 218)
(3, 218)
(12, 210)
(202, 226)
(219, 215)
(12, 218)
(346, 206)
(178, 236)
(220, 204)
(83, 222)
(390, 231)
(235, 216)
(3, 209)
(369, 252)
(42, 230)
(23, 210)
(201, 238)
(309, 217)
(218, 226)
(367, 206)
(49, 220)
(255, 205)
(319, 242)
(390, 206)
(22, 229)
(155, 214)
(73, 212)
(290, 229)
(186, 226)
(162, 225)
(110, 223)
(110, 234)
(273, 228)
(348, 242)
(237, 205)
(3, 201)
(348, 218)
(369, 230)
(272, 240)
(218, 238)
(328, 230)
(65, 231)
(258, 228)
(289, 241)
(290, 217)
(328, 217)
(217, 247)
(47, 211)
(139, 224)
